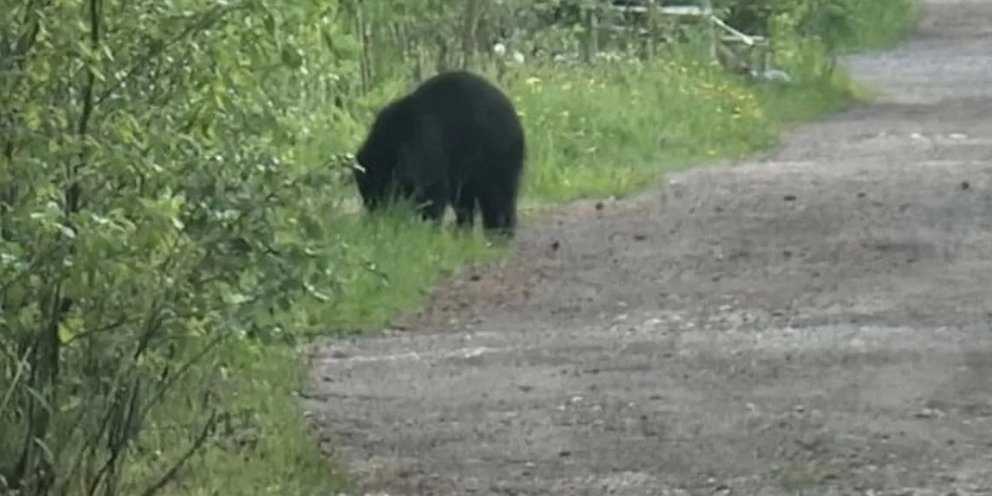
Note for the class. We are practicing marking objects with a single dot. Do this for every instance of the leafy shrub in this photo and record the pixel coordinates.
(154, 206)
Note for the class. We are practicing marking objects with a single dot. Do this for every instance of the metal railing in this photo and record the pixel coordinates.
(729, 46)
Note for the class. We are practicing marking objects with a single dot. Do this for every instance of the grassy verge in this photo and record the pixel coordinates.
(612, 129)
(260, 446)
(390, 265)
(385, 266)
(606, 129)
(881, 24)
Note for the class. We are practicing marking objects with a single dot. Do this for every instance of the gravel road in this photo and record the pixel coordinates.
(817, 321)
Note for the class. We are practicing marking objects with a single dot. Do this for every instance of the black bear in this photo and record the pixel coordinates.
(455, 139)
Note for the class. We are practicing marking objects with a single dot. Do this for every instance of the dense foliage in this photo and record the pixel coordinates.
(154, 205)
(174, 200)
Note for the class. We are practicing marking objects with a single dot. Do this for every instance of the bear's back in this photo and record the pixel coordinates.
(470, 110)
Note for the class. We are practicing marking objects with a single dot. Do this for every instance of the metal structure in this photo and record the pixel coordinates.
(734, 49)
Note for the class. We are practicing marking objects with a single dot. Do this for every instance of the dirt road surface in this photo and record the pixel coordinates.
(813, 322)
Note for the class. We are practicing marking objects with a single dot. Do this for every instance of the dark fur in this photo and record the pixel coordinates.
(455, 140)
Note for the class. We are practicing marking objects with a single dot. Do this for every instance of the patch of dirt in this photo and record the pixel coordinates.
(818, 321)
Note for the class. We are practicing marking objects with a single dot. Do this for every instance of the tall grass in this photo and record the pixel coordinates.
(261, 445)
(394, 262)
(386, 265)
(613, 127)
(881, 23)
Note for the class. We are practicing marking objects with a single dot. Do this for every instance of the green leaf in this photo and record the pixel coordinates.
(68, 329)
(269, 22)
(327, 39)
(235, 298)
(291, 57)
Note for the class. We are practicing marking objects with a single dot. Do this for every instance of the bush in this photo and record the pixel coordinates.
(838, 23)
(154, 207)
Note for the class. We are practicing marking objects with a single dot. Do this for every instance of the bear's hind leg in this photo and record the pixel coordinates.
(464, 204)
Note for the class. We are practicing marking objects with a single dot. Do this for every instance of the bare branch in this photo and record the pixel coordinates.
(197, 444)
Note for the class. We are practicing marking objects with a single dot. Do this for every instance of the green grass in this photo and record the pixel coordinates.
(882, 24)
(593, 131)
(389, 264)
(792, 104)
(261, 445)
(612, 128)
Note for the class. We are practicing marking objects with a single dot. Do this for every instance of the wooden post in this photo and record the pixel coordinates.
(652, 27)
(711, 28)
(591, 23)
(365, 60)
(471, 23)
(766, 55)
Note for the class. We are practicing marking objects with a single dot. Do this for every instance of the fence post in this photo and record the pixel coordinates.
(591, 23)
(468, 34)
(711, 28)
(652, 28)
(365, 58)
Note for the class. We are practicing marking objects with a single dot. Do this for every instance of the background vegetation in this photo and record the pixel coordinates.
(176, 215)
